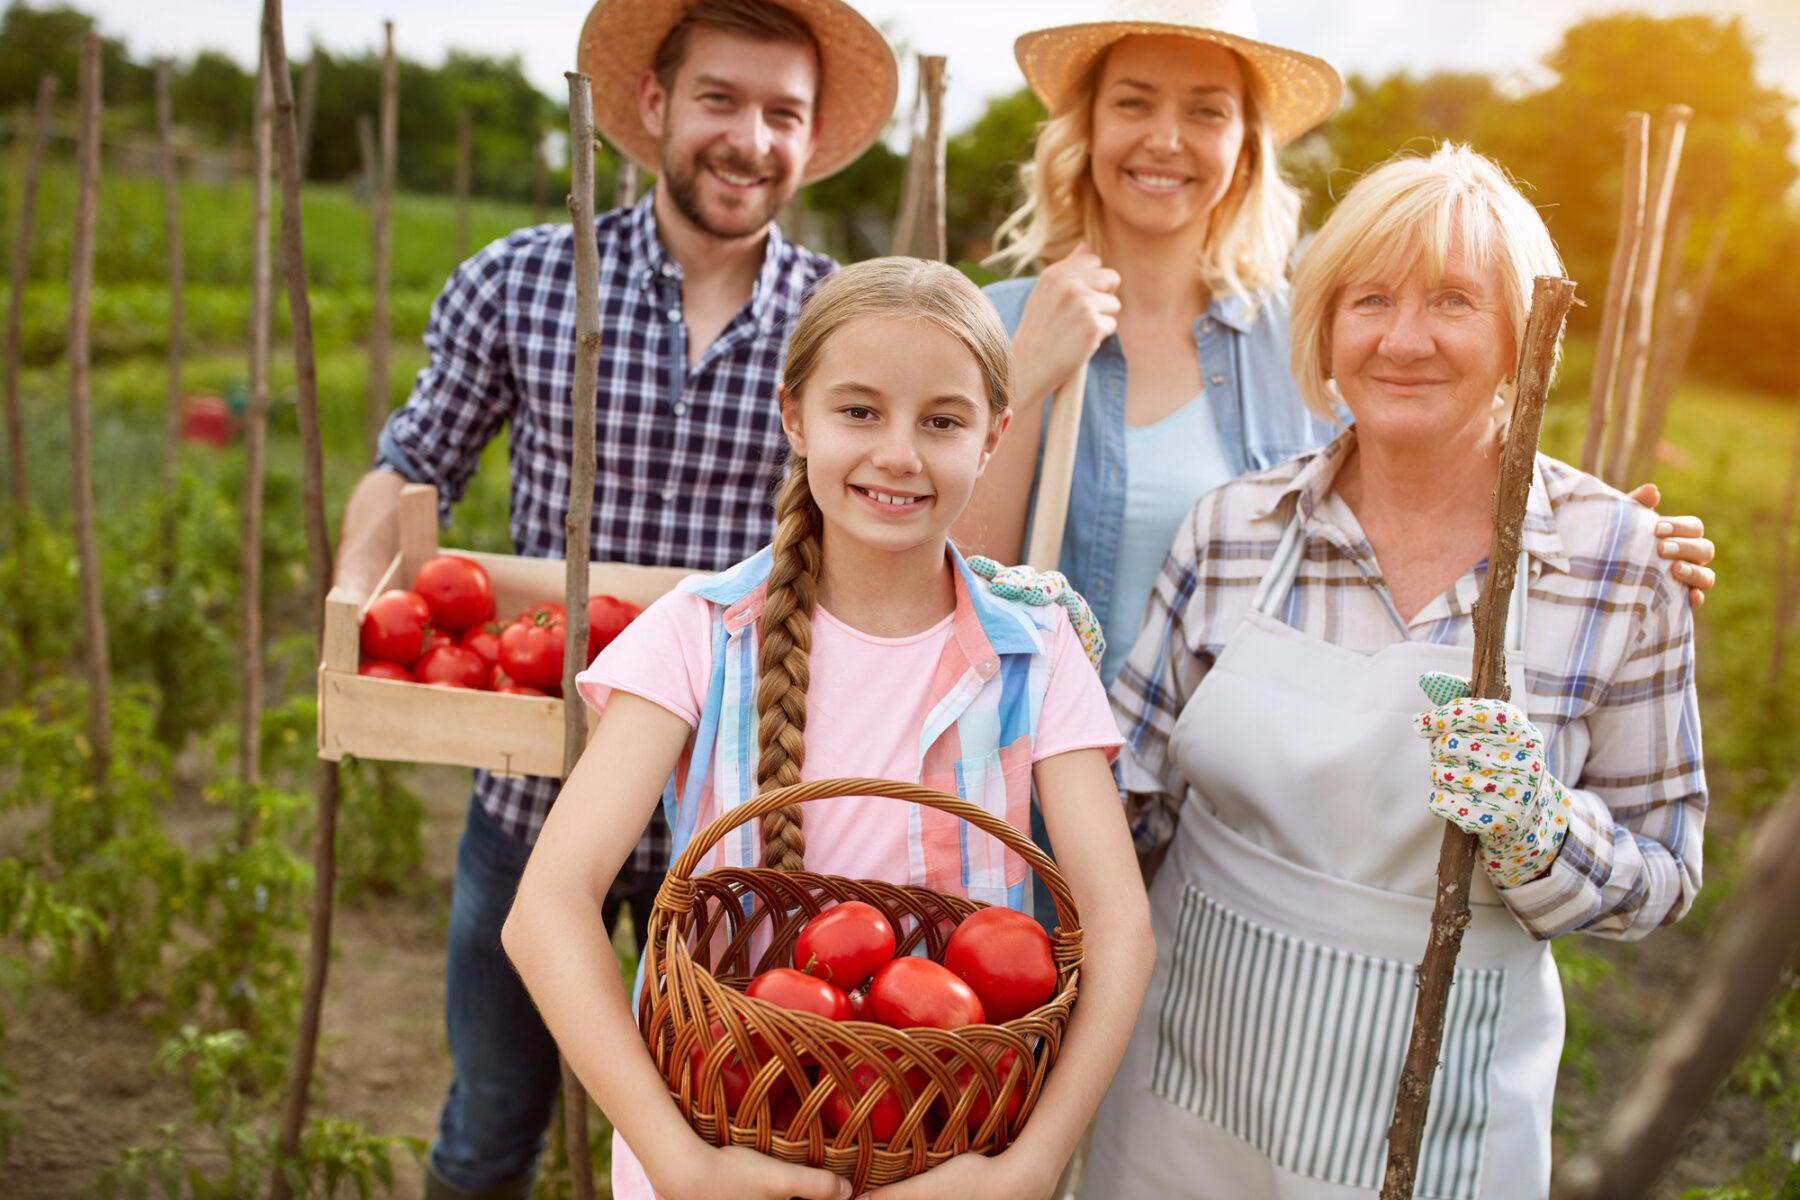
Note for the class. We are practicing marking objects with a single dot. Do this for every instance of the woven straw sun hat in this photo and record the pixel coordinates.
(1299, 90)
(859, 79)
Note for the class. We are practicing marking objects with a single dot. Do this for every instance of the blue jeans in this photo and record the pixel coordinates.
(492, 1126)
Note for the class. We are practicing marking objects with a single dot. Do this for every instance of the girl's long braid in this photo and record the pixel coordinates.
(786, 642)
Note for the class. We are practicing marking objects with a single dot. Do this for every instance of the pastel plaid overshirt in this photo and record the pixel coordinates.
(686, 458)
(977, 743)
(1609, 670)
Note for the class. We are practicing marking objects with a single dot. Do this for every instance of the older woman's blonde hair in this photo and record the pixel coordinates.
(1254, 224)
(1406, 210)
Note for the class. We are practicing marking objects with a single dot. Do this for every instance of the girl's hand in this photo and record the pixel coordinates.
(1684, 540)
(977, 1175)
(1073, 308)
(737, 1172)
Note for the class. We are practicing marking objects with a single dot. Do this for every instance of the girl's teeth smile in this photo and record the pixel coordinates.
(890, 499)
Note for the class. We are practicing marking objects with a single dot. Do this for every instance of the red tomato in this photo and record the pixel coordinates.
(457, 589)
(376, 668)
(483, 639)
(394, 627)
(859, 1006)
(845, 944)
(531, 648)
(607, 615)
(1005, 956)
(889, 1110)
(734, 1074)
(909, 992)
(435, 637)
(457, 665)
(788, 988)
(966, 1079)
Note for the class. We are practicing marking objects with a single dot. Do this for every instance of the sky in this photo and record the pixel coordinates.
(1374, 37)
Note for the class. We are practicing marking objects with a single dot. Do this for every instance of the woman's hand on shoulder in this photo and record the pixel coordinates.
(1073, 308)
(1682, 540)
(735, 1171)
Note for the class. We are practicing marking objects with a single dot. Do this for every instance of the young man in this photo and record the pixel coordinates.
(735, 103)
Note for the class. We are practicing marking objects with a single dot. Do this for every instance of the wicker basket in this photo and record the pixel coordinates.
(721, 912)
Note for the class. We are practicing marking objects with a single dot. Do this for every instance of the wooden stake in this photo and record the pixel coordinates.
(1680, 322)
(1550, 300)
(172, 231)
(919, 228)
(309, 95)
(1785, 530)
(1618, 286)
(318, 544)
(1696, 1048)
(15, 405)
(1050, 515)
(625, 183)
(463, 152)
(379, 397)
(81, 282)
(255, 438)
(1641, 316)
(578, 523)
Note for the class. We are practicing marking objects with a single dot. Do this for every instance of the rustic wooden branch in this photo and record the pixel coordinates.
(1641, 316)
(578, 522)
(379, 398)
(1756, 944)
(81, 284)
(1050, 515)
(250, 694)
(625, 183)
(919, 228)
(1550, 300)
(165, 131)
(1680, 323)
(1787, 527)
(309, 96)
(15, 407)
(318, 544)
(1618, 287)
(464, 151)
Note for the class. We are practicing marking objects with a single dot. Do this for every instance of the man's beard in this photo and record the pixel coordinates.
(683, 182)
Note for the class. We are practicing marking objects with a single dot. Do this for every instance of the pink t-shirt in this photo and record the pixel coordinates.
(866, 701)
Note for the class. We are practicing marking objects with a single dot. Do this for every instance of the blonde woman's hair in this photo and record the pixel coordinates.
(1254, 225)
(903, 288)
(1406, 210)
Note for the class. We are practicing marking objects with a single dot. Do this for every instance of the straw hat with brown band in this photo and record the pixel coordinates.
(858, 77)
(1298, 90)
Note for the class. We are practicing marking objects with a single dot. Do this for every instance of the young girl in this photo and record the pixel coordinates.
(871, 649)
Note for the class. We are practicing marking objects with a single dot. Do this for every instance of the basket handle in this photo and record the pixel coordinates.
(680, 897)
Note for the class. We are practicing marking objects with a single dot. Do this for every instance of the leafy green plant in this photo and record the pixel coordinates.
(381, 834)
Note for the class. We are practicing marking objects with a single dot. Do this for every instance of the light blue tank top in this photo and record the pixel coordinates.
(1170, 464)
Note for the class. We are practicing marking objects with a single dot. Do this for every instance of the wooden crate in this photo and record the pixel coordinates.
(410, 722)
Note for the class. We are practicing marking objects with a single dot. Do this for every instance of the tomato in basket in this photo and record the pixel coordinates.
(376, 668)
(456, 589)
(911, 992)
(734, 1074)
(455, 665)
(967, 1080)
(845, 944)
(394, 627)
(1006, 957)
(483, 639)
(607, 615)
(788, 988)
(889, 1110)
(531, 648)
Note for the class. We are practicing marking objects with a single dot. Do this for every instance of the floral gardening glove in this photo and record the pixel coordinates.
(1488, 777)
(1038, 588)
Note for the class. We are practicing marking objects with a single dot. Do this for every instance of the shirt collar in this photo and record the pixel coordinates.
(983, 620)
(649, 257)
(1311, 485)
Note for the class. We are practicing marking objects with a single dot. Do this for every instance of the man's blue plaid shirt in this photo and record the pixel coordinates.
(686, 459)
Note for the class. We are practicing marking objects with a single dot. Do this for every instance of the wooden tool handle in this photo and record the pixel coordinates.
(1051, 512)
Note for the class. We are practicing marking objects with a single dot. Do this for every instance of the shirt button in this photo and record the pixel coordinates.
(1205, 326)
(668, 493)
(681, 408)
(668, 269)
(1218, 379)
(1115, 476)
(674, 314)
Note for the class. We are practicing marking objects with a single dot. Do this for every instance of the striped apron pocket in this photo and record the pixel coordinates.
(1296, 1048)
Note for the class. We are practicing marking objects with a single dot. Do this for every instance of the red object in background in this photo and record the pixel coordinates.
(206, 418)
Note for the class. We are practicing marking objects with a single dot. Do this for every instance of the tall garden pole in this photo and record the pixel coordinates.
(1618, 287)
(577, 525)
(255, 438)
(318, 545)
(1550, 300)
(81, 281)
(309, 98)
(625, 183)
(1681, 322)
(380, 324)
(1641, 316)
(165, 131)
(464, 152)
(21, 269)
(920, 227)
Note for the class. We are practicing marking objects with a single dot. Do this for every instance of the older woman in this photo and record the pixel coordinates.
(1270, 706)
(1162, 225)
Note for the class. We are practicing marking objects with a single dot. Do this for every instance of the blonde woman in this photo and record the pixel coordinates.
(871, 648)
(1275, 742)
(1162, 227)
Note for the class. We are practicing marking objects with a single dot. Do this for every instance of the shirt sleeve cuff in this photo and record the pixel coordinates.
(1566, 897)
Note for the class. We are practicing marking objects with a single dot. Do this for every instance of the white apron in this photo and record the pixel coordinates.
(1268, 1050)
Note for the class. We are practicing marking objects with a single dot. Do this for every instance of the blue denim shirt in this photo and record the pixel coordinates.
(1244, 367)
